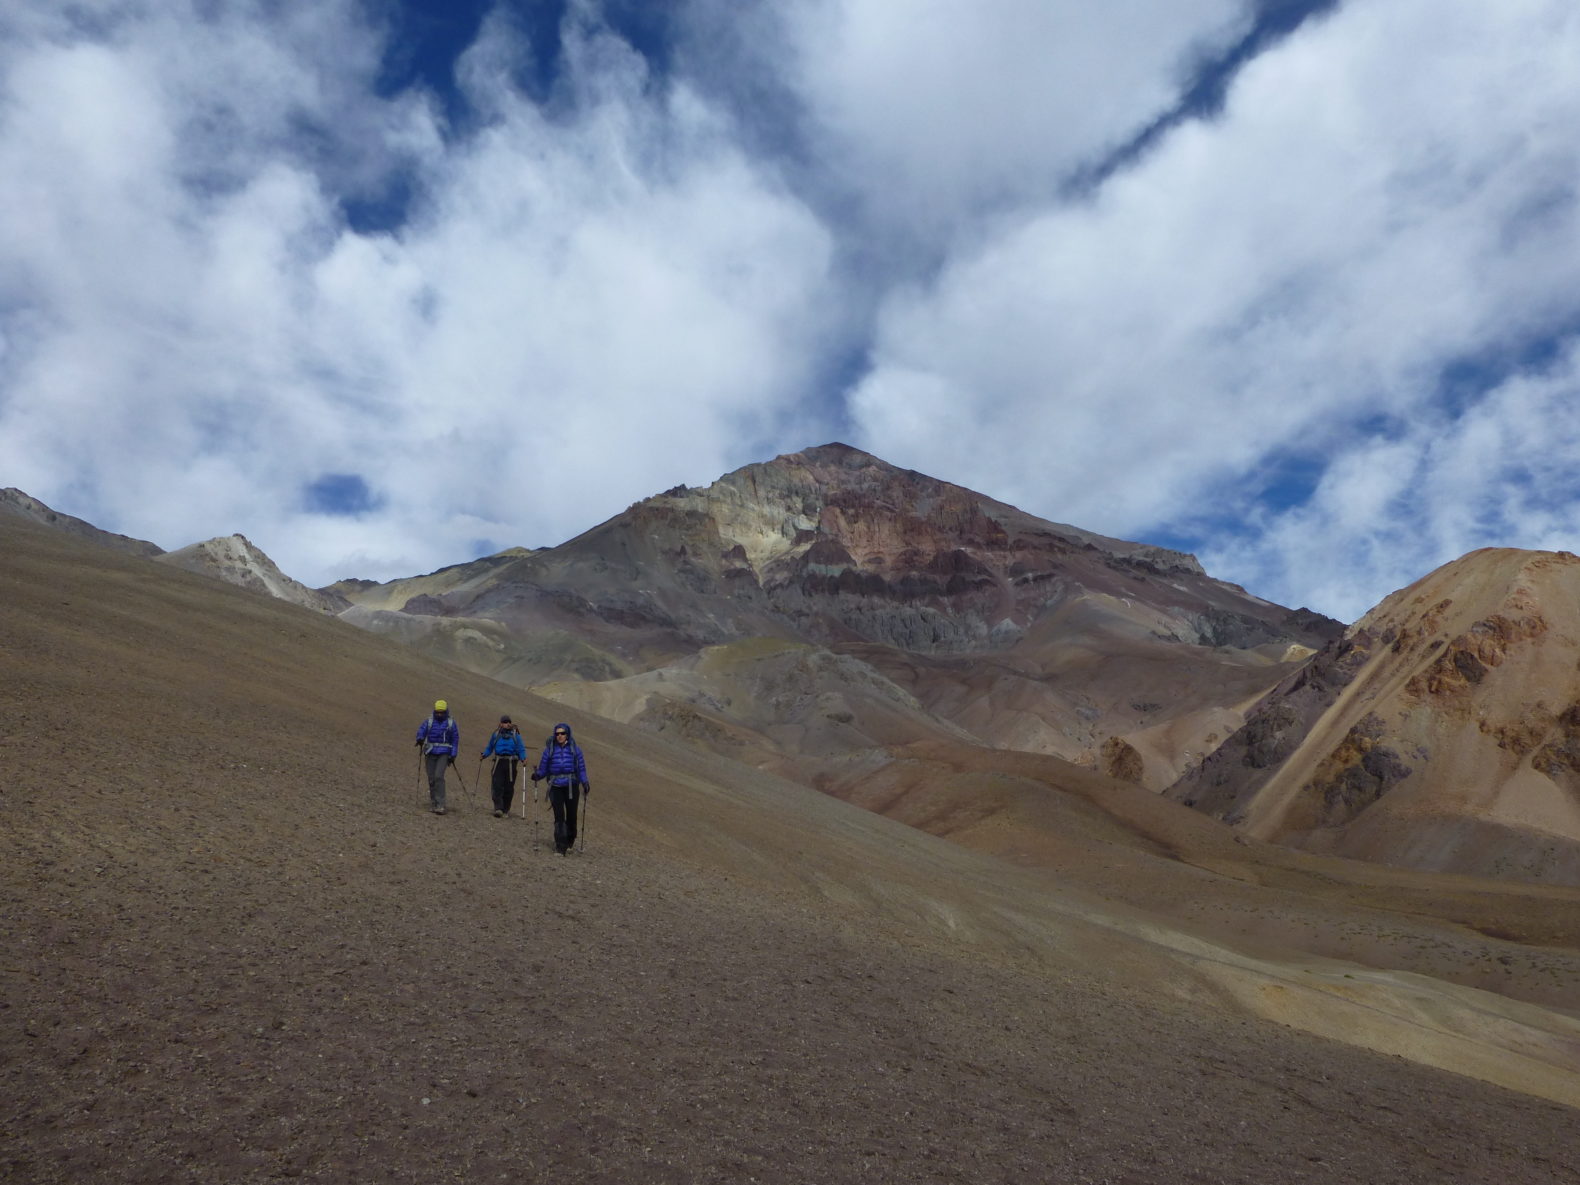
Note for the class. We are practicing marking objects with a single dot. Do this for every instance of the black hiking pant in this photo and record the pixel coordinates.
(504, 784)
(564, 799)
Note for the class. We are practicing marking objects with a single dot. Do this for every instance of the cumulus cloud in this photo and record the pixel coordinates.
(1393, 508)
(1319, 336)
(916, 122)
(1390, 191)
(586, 305)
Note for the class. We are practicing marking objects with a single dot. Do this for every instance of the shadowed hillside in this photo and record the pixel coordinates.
(236, 948)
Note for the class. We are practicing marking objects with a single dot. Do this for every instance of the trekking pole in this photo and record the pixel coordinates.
(460, 776)
(581, 831)
(419, 776)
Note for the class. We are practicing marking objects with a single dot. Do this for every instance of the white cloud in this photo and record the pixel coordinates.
(584, 310)
(1388, 191)
(920, 119)
(635, 284)
(1501, 474)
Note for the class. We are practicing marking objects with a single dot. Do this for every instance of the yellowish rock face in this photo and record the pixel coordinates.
(1442, 732)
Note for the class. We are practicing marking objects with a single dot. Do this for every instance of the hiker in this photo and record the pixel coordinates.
(508, 750)
(440, 739)
(564, 766)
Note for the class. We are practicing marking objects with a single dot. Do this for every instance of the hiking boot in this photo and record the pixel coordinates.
(498, 813)
(438, 810)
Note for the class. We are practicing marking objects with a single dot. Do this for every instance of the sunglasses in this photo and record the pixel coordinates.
(560, 732)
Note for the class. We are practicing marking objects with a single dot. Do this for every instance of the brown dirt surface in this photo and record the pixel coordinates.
(235, 947)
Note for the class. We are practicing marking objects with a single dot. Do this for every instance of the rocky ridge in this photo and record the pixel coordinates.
(14, 502)
(1441, 731)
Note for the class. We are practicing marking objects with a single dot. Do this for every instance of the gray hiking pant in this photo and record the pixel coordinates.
(437, 764)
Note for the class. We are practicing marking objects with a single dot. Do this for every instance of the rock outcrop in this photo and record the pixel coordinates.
(234, 559)
(1441, 731)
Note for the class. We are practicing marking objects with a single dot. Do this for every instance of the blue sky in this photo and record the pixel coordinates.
(1294, 284)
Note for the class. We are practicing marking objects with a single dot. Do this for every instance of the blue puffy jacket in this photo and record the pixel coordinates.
(506, 744)
(439, 734)
(562, 764)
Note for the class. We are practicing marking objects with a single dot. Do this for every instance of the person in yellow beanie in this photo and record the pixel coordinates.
(440, 738)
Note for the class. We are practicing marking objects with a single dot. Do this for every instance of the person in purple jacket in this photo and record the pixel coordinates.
(564, 766)
(440, 738)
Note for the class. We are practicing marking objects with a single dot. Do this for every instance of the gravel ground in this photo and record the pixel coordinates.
(233, 946)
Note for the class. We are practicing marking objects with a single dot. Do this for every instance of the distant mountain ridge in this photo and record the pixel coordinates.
(825, 606)
(824, 614)
(832, 545)
(13, 501)
(900, 608)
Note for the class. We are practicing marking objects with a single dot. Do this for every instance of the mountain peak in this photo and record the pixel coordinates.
(236, 560)
(837, 449)
(834, 461)
(833, 544)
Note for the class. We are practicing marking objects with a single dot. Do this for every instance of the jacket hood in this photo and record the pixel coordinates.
(570, 736)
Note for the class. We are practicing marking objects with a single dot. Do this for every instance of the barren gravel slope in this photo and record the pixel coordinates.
(236, 948)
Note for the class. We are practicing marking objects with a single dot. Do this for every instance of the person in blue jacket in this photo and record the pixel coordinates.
(440, 738)
(564, 766)
(508, 750)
